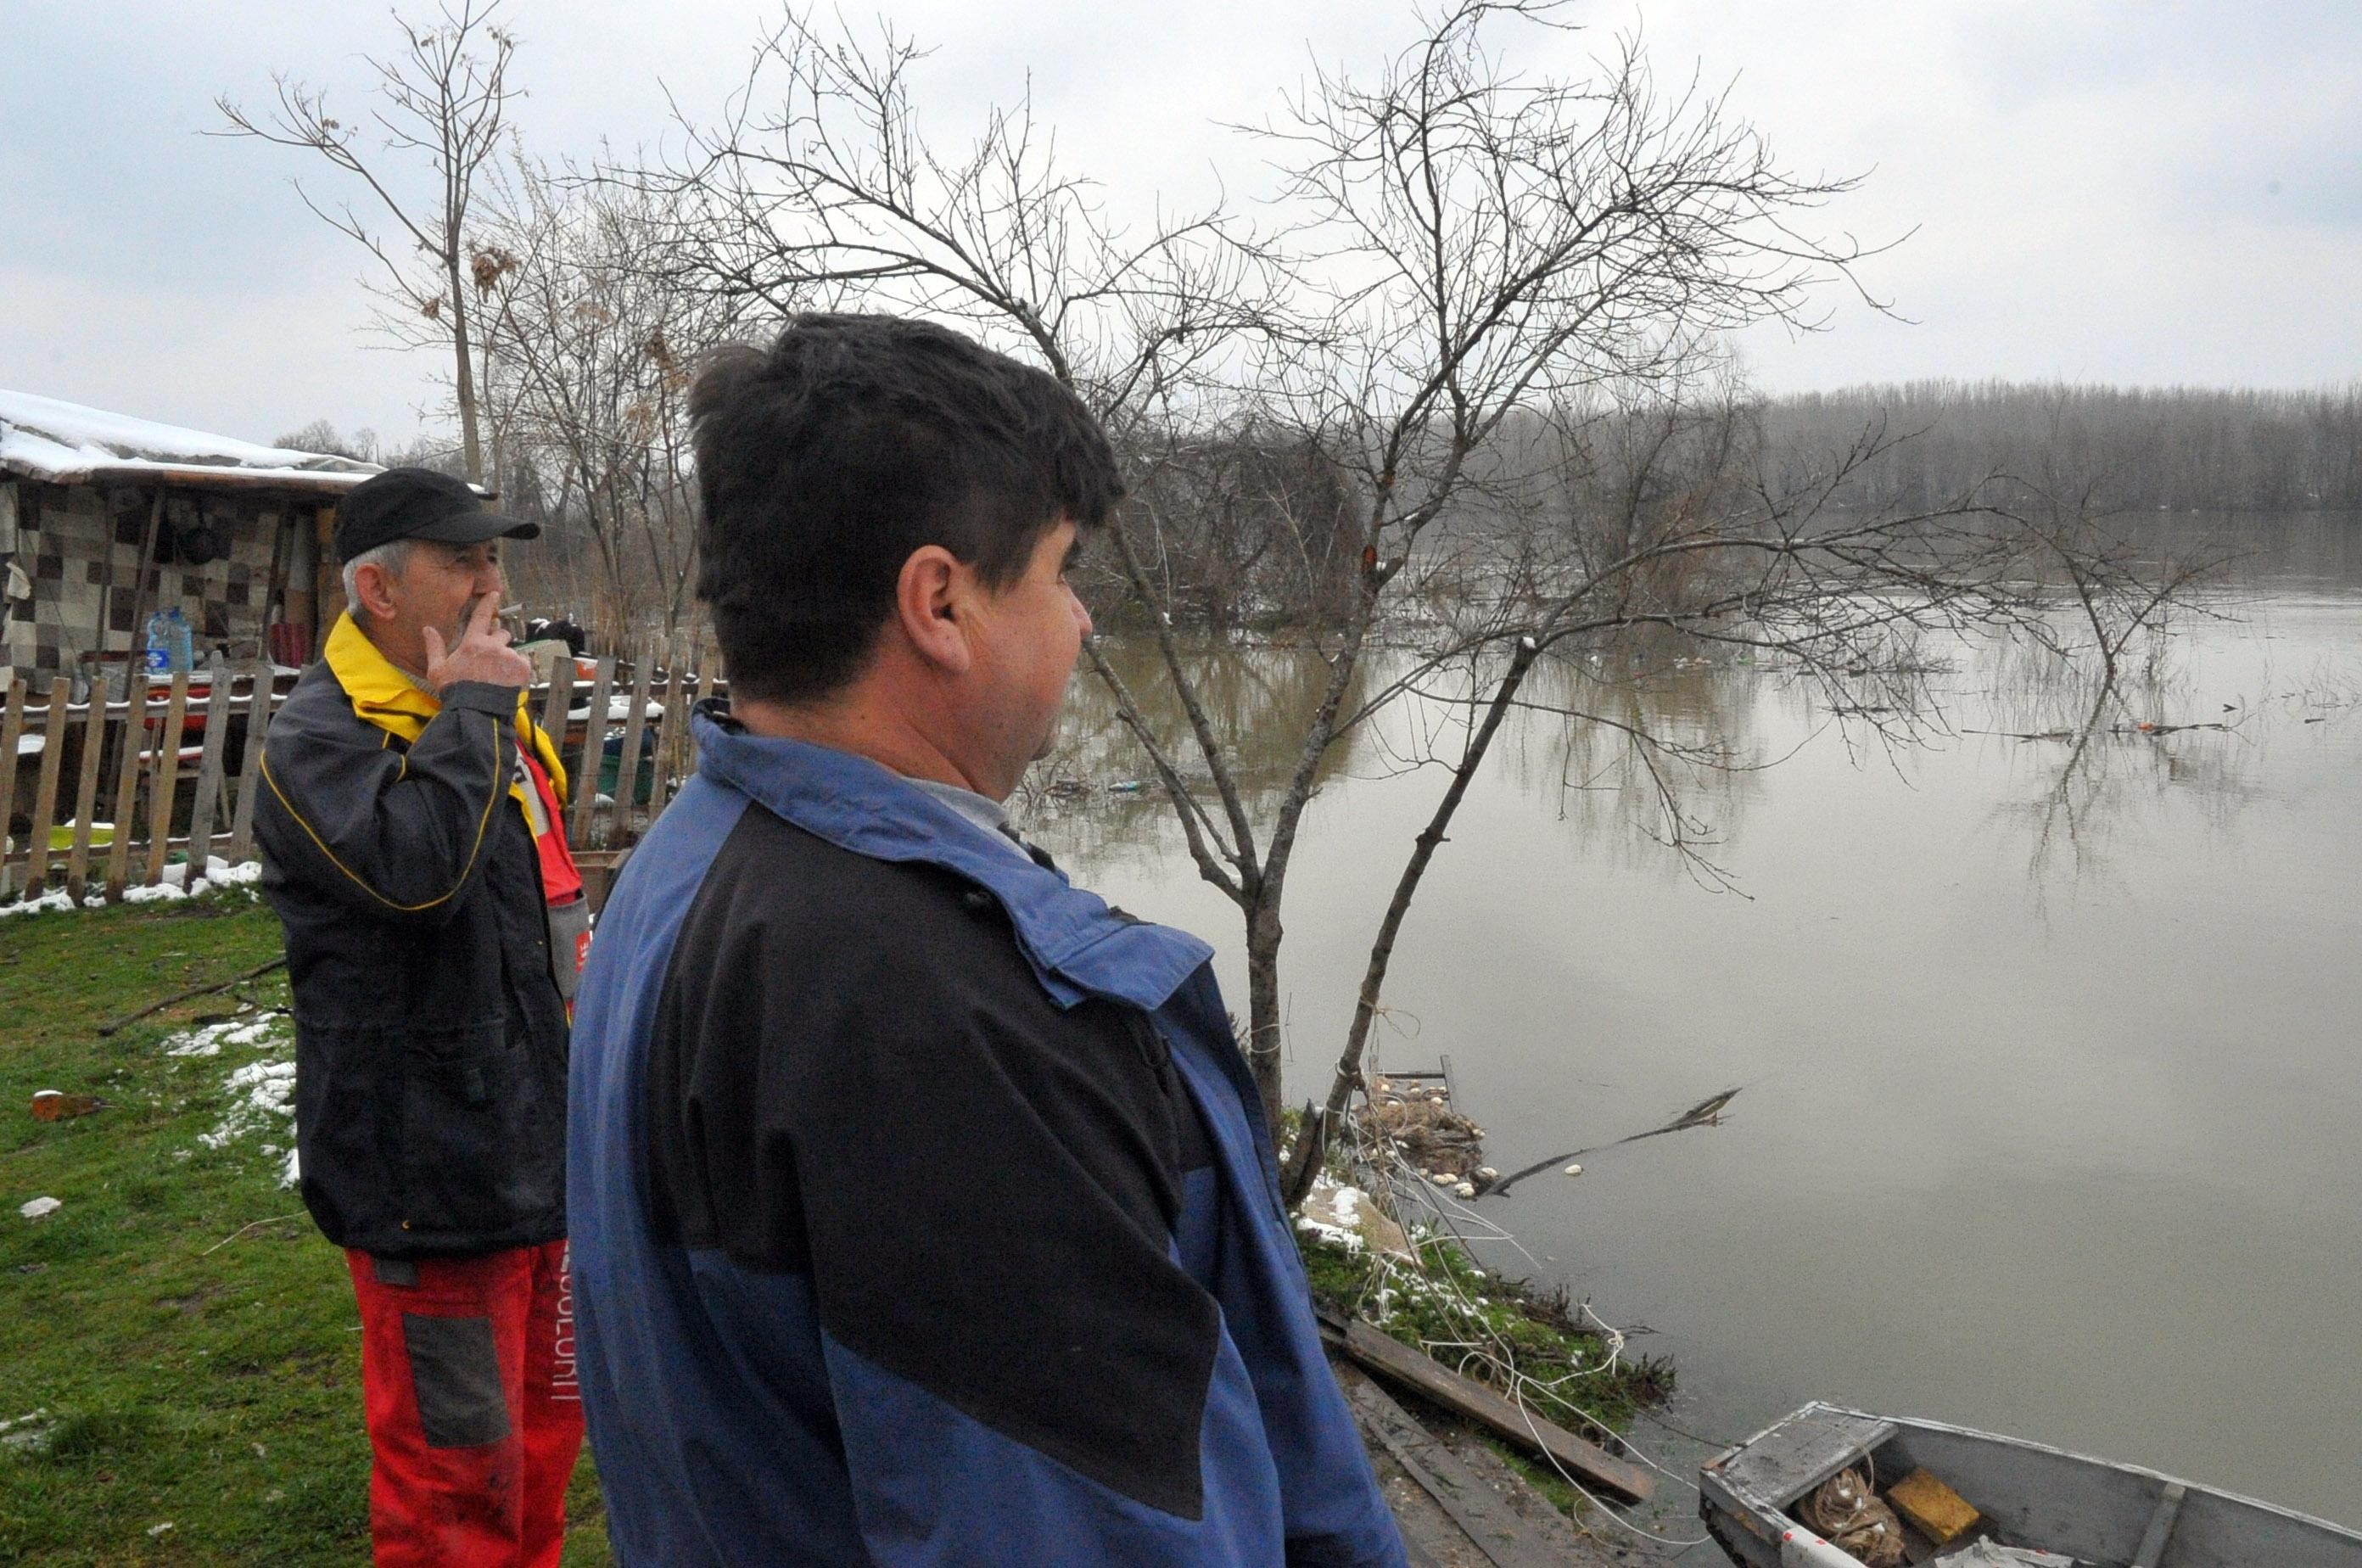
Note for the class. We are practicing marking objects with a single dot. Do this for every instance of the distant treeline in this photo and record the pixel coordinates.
(2176, 447)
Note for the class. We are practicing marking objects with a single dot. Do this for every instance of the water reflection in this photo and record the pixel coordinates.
(1099, 790)
(1652, 750)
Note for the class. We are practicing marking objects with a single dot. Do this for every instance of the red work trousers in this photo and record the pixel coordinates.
(475, 1415)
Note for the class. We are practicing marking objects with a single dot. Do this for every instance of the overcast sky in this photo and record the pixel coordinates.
(2096, 190)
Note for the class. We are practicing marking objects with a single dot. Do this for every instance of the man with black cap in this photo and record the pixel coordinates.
(414, 849)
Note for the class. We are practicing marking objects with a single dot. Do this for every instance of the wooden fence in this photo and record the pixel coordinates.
(110, 793)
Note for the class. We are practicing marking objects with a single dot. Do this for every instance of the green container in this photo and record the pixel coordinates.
(611, 763)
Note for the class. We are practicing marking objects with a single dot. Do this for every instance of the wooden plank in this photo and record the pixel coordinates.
(12, 729)
(1784, 1464)
(672, 738)
(45, 798)
(1491, 1526)
(249, 770)
(627, 767)
(1464, 1396)
(554, 708)
(94, 746)
(164, 778)
(595, 744)
(136, 709)
(2160, 1526)
(209, 774)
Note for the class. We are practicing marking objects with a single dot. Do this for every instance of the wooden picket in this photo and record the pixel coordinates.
(113, 762)
(45, 799)
(167, 777)
(136, 708)
(93, 747)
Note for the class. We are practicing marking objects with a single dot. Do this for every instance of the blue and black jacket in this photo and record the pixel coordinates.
(920, 1209)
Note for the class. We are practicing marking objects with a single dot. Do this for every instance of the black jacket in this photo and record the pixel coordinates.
(430, 1038)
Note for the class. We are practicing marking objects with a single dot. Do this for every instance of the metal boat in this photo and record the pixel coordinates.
(2090, 1511)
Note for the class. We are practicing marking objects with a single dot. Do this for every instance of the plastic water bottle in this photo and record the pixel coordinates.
(184, 641)
(171, 644)
(159, 658)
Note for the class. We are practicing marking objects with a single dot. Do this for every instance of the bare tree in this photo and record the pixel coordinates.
(443, 98)
(1489, 324)
(590, 342)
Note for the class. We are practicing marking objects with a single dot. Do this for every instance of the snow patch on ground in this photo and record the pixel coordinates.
(1332, 1212)
(57, 900)
(261, 1094)
(29, 1432)
(262, 1091)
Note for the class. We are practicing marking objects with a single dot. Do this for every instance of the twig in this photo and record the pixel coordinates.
(242, 1230)
(205, 990)
(1707, 1112)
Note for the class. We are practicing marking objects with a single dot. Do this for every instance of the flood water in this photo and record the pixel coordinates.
(2049, 1078)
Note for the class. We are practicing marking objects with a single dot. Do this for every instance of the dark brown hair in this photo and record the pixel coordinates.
(823, 461)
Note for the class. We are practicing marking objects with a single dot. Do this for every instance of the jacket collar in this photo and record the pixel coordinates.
(1078, 945)
(383, 695)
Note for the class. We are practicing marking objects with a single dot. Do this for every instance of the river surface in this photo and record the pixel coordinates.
(2047, 1058)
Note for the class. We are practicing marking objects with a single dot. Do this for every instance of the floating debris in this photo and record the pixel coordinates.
(1419, 1120)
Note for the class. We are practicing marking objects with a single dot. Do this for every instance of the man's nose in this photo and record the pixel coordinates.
(1082, 615)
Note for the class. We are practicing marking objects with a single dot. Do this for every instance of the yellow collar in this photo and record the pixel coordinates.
(382, 695)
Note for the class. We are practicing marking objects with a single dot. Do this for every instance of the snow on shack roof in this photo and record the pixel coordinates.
(64, 443)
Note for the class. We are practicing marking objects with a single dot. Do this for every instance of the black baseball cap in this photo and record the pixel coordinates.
(419, 503)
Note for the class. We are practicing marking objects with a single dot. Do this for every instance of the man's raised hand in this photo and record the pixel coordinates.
(483, 653)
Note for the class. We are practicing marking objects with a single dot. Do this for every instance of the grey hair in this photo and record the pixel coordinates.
(393, 556)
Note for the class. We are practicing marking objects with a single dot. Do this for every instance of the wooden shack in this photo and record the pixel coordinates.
(105, 518)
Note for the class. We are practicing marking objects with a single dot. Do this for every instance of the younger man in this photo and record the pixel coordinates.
(921, 1206)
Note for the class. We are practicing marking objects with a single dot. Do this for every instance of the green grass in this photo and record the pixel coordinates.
(210, 1383)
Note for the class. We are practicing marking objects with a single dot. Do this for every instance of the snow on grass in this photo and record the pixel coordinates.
(57, 901)
(218, 874)
(262, 1091)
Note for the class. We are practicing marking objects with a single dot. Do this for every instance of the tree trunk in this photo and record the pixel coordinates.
(464, 385)
(1262, 1043)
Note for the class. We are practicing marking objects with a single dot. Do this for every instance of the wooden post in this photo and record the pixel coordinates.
(106, 581)
(94, 746)
(12, 729)
(627, 767)
(209, 774)
(135, 661)
(164, 781)
(249, 770)
(595, 746)
(45, 799)
(135, 708)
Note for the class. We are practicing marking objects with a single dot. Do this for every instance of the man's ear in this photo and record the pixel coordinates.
(375, 587)
(928, 597)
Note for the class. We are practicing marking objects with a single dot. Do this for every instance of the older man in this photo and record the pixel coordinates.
(412, 848)
(920, 1205)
